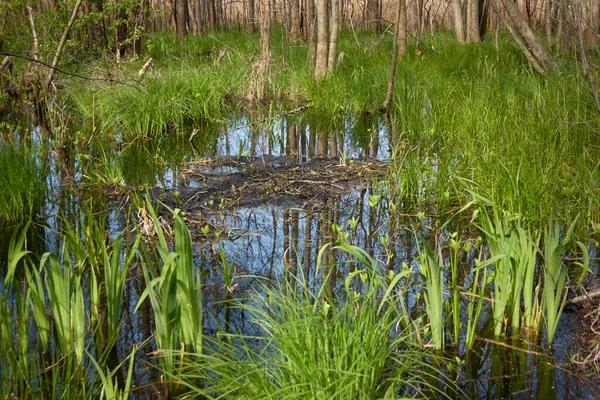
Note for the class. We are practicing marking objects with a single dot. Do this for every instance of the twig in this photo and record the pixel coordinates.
(61, 44)
(62, 71)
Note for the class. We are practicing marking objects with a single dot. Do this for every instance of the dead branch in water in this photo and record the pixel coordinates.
(584, 297)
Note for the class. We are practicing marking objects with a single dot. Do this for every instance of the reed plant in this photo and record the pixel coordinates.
(174, 289)
(514, 252)
(554, 294)
(431, 267)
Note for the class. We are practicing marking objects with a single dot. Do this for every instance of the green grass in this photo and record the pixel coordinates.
(313, 345)
(22, 183)
(465, 116)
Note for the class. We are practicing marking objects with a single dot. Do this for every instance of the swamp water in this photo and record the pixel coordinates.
(260, 201)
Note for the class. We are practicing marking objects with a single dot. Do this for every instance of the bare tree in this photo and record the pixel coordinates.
(180, 20)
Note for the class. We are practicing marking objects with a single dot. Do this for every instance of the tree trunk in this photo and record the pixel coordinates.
(548, 17)
(372, 15)
(544, 59)
(459, 27)
(251, 16)
(295, 22)
(265, 31)
(399, 46)
(473, 21)
(517, 39)
(322, 39)
(595, 18)
(180, 24)
(311, 26)
(334, 27)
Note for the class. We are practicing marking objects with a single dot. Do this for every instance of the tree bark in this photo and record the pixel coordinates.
(548, 23)
(295, 22)
(459, 27)
(251, 16)
(473, 21)
(334, 27)
(322, 39)
(180, 25)
(372, 15)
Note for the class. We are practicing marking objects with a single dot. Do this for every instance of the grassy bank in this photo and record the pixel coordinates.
(466, 117)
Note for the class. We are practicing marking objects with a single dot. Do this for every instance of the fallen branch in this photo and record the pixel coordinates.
(584, 297)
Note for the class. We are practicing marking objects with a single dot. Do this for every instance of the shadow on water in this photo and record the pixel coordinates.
(261, 198)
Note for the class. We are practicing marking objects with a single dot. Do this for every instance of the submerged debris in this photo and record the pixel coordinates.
(229, 182)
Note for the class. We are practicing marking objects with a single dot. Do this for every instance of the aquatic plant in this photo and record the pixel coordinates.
(431, 267)
(515, 252)
(174, 289)
(312, 345)
(554, 294)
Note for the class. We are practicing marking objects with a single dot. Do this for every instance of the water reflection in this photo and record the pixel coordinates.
(269, 242)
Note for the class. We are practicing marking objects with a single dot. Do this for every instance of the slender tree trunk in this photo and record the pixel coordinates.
(61, 44)
(473, 21)
(399, 46)
(372, 15)
(322, 39)
(295, 22)
(548, 24)
(517, 39)
(311, 26)
(595, 18)
(542, 56)
(265, 31)
(334, 27)
(251, 16)
(459, 27)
